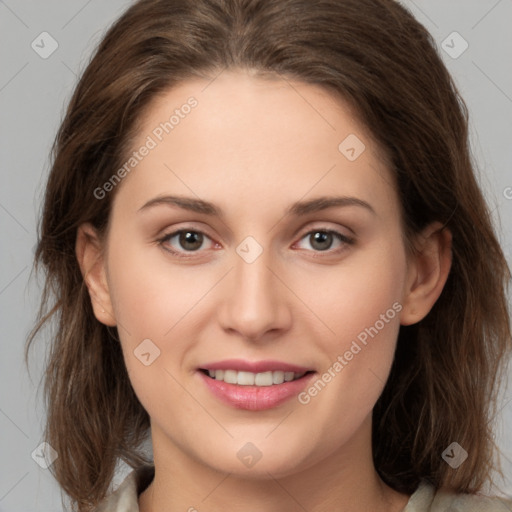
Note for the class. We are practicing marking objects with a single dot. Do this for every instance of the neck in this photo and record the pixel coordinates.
(343, 480)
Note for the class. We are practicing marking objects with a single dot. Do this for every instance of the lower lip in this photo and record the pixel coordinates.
(255, 398)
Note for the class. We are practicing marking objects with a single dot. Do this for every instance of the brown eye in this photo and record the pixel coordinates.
(183, 241)
(321, 240)
(190, 240)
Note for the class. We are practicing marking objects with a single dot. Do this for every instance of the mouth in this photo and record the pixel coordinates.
(261, 379)
(254, 386)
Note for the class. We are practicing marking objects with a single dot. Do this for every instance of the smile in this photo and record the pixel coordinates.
(254, 386)
(262, 379)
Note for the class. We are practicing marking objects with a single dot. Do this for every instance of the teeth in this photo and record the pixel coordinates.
(230, 376)
(263, 379)
(246, 378)
(288, 376)
(254, 379)
(277, 377)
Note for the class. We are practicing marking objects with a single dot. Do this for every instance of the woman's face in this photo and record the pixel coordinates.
(268, 276)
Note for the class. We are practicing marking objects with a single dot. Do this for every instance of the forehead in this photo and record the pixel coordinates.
(252, 136)
(238, 103)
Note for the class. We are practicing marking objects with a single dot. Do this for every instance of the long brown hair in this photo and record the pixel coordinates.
(444, 380)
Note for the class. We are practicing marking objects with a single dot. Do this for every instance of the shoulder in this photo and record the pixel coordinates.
(126, 497)
(426, 499)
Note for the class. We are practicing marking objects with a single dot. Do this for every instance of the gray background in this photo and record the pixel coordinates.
(33, 93)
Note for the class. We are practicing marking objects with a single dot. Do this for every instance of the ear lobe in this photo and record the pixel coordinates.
(89, 253)
(427, 273)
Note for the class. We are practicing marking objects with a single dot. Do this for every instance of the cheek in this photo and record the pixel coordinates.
(153, 298)
(361, 303)
(353, 296)
(150, 299)
(138, 294)
(372, 293)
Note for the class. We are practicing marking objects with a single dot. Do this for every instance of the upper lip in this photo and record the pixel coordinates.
(254, 366)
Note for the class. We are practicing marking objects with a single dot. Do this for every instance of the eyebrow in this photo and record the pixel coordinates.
(299, 208)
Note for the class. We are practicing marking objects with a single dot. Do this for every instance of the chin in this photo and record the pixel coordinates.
(260, 461)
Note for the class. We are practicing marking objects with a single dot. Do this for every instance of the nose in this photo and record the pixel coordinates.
(255, 304)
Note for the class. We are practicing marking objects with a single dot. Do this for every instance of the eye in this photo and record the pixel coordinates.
(183, 241)
(321, 240)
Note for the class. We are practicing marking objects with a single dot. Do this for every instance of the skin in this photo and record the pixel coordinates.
(253, 147)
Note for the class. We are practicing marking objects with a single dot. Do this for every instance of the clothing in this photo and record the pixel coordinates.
(424, 499)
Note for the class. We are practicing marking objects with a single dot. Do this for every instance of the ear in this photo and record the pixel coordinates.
(90, 255)
(427, 272)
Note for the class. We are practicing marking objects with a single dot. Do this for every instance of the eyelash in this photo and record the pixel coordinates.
(342, 238)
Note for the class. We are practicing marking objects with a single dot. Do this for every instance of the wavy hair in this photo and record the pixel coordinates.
(444, 381)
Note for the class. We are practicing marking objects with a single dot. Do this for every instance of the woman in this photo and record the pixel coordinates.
(268, 251)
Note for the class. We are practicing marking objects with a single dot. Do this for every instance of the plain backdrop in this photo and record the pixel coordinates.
(34, 90)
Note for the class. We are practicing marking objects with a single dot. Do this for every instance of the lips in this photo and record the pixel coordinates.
(254, 385)
(254, 366)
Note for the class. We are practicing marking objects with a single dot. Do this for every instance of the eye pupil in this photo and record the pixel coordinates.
(191, 240)
(320, 237)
